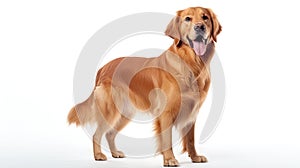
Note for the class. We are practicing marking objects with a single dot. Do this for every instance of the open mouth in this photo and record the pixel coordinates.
(199, 45)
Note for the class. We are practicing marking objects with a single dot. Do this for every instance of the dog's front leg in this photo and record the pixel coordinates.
(166, 144)
(189, 144)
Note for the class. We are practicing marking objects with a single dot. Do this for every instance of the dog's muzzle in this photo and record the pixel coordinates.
(199, 45)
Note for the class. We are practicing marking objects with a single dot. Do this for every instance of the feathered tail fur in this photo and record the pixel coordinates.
(72, 117)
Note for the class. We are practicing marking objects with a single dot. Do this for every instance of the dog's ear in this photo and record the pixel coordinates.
(216, 26)
(173, 27)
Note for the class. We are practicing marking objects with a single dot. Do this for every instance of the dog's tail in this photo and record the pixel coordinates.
(73, 117)
(83, 113)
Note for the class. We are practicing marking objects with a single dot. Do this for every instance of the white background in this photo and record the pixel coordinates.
(41, 41)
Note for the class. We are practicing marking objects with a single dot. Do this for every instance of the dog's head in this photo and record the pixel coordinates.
(196, 27)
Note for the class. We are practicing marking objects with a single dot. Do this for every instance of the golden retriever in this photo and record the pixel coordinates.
(172, 87)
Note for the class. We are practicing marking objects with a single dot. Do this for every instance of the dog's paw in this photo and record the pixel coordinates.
(118, 154)
(171, 162)
(100, 157)
(199, 159)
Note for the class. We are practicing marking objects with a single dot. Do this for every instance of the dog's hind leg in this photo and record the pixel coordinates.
(111, 135)
(104, 123)
(99, 156)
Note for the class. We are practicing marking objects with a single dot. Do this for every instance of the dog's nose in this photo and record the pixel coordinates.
(199, 28)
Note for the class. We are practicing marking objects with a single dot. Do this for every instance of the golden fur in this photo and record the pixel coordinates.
(103, 105)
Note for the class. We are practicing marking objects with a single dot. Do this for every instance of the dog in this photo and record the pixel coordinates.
(172, 87)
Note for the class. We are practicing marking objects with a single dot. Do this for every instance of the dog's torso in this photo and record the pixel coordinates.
(154, 84)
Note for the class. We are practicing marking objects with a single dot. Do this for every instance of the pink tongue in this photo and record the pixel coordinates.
(199, 47)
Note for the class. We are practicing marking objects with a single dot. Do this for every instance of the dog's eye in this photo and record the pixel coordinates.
(188, 19)
(204, 17)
